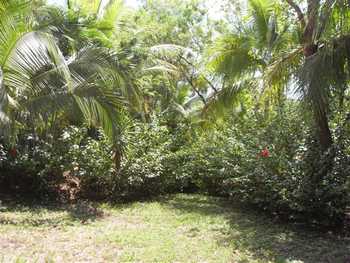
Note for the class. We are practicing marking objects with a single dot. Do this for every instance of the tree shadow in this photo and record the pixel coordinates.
(50, 215)
(266, 239)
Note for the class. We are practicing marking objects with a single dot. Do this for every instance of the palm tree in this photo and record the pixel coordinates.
(313, 26)
(239, 60)
(38, 81)
(309, 50)
(185, 86)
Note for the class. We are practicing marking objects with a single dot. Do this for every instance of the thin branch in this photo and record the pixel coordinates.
(189, 80)
(210, 84)
(204, 77)
(300, 14)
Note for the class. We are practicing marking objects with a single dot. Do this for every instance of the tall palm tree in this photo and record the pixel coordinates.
(313, 25)
(310, 49)
(95, 25)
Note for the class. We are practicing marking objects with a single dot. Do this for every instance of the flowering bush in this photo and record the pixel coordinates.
(265, 153)
(268, 162)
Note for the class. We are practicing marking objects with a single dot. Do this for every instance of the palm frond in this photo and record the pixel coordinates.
(232, 56)
(278, 75)
(324, 72)
(262, 23)
(228, 98)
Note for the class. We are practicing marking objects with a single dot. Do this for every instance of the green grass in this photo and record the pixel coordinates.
(181, 228)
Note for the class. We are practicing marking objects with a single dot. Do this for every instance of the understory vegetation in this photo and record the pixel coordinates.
(242, 100)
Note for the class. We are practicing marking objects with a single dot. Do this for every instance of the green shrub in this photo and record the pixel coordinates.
(269, 161)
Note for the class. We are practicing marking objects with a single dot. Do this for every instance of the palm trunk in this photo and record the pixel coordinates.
(2, 92)
(308, 22)
(311, 48)
(117, 159)
(320, 116)
(324, 133)
(1, 77)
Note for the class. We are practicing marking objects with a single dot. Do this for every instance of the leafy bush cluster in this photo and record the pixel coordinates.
(267, 161)
(82, 161)
(270, 162)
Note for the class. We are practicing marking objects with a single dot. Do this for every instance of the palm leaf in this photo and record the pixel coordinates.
(232, 57)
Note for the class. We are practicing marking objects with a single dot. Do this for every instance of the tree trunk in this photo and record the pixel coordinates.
(320, 116)
(324, 133)
(2, 94)
(117, 159)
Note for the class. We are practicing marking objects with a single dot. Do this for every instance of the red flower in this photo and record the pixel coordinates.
(265, 153)
(13, 152)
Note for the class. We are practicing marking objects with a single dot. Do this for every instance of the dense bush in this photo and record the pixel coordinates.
(142, 173)
(79, 162)
(269, 161)
(30, 169)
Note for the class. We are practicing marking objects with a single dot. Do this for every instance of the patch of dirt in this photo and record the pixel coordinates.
(118, 222)
(60, 245)
(76, 243)
(9, 243)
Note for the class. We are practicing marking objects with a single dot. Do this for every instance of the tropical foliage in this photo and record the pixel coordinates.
(105, 102)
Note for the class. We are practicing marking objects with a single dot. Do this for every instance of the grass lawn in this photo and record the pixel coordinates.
(181, 228)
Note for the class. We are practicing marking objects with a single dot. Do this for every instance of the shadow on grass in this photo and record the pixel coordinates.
(264, 239)
(51, 215)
